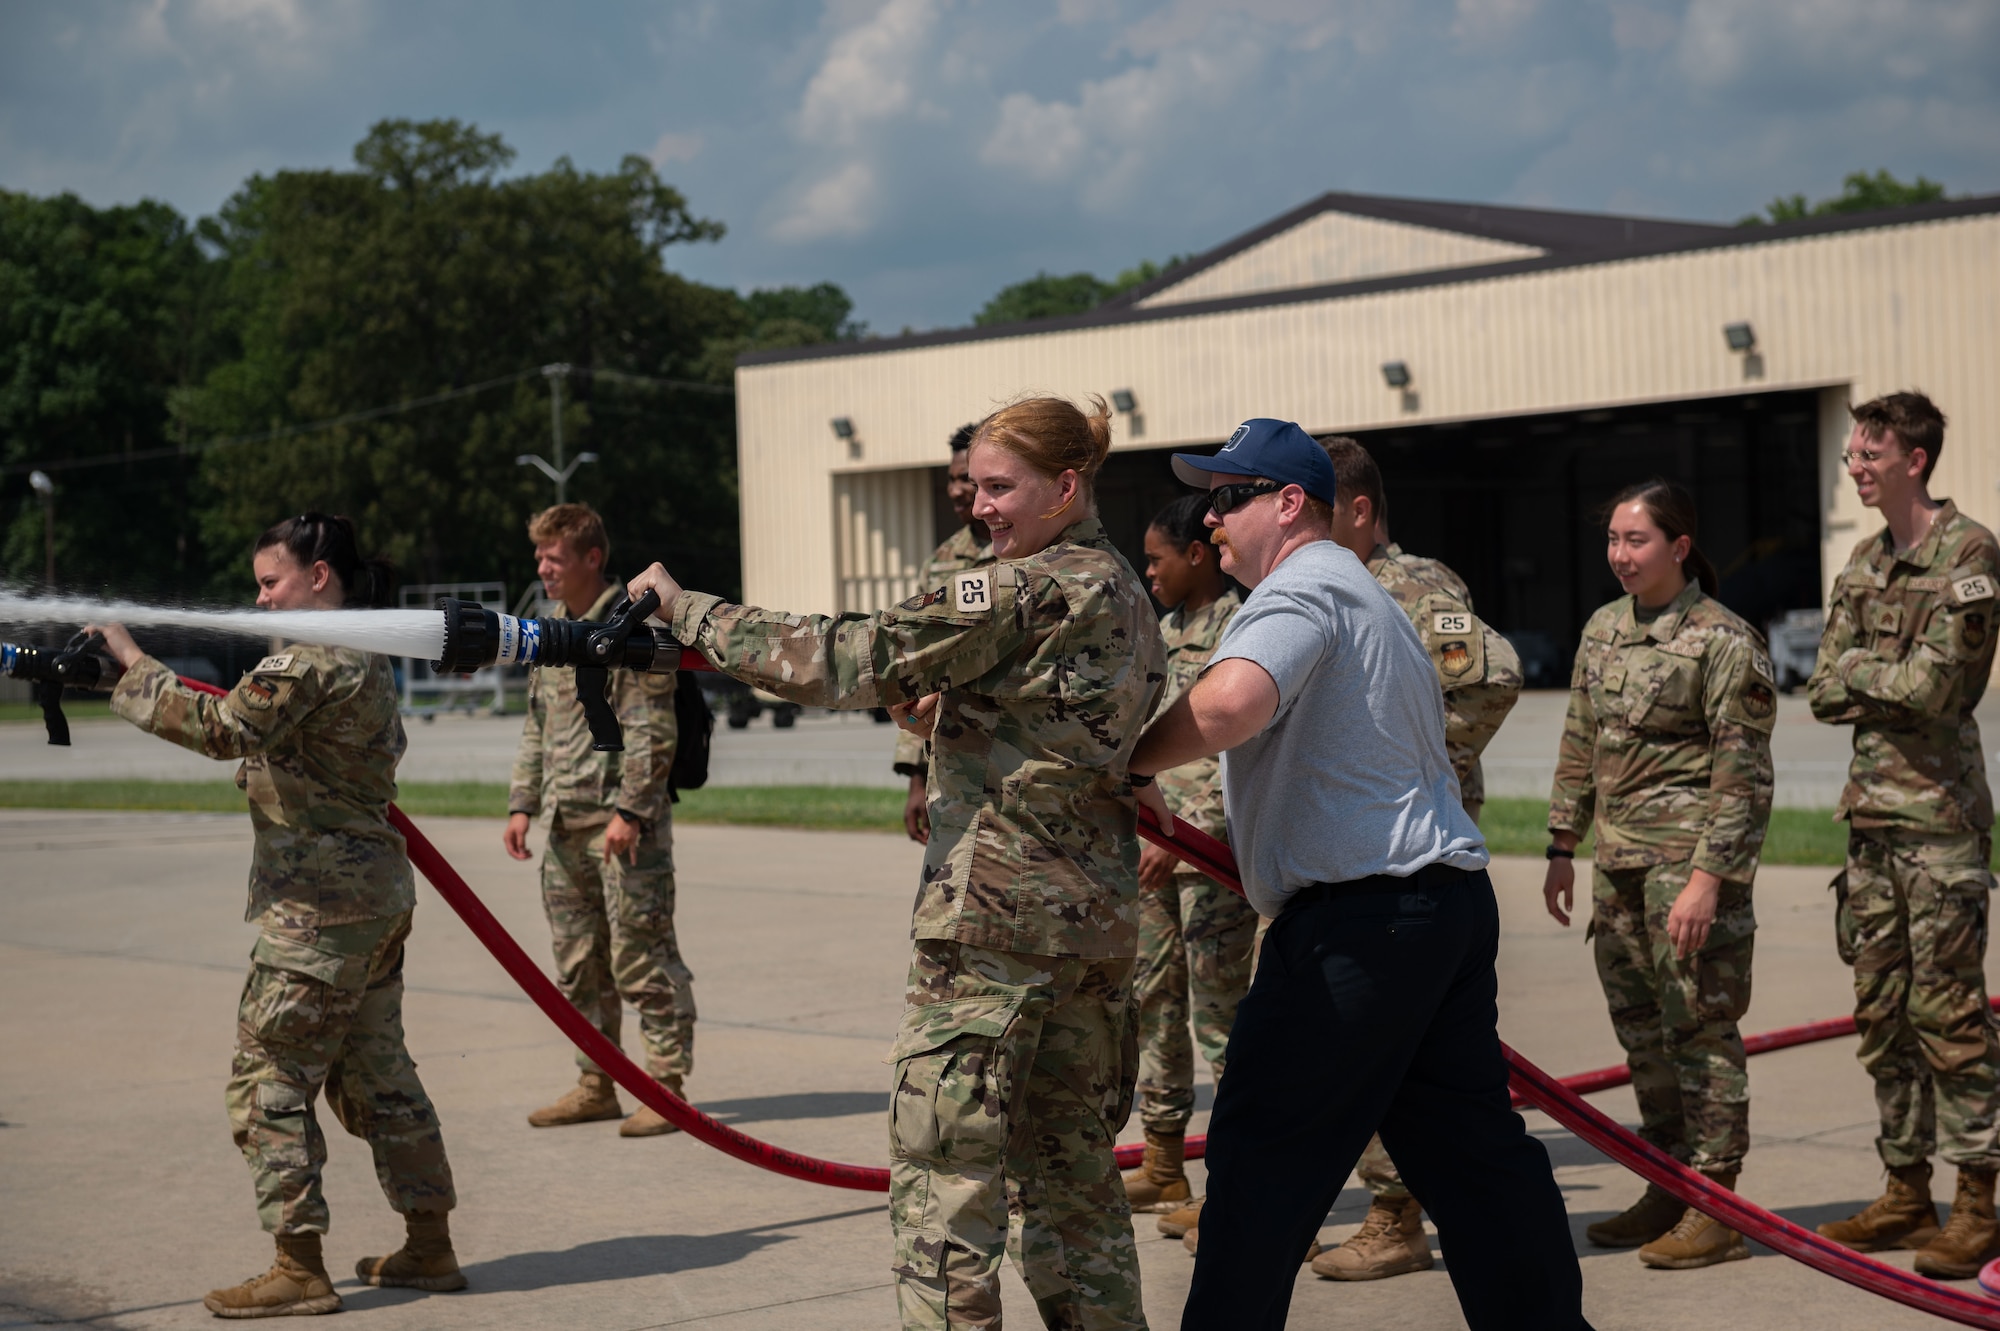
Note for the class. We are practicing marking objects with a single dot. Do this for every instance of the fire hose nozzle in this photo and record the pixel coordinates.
(77, 665)
(475, 637)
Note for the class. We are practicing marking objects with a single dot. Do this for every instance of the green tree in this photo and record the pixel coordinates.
(1860, 193)
(102, 313)
(424, 271)
(769, 320)
(1045, 296)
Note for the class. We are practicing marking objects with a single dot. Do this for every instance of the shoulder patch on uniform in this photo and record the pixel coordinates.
(1972, 587)
(274, 665)
(972, 591)
(1759, 701)
(924, 600)
(1454, 623)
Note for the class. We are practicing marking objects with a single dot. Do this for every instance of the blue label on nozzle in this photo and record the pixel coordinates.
(9, 654)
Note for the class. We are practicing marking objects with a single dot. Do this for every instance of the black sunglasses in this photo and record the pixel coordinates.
(1226, 498)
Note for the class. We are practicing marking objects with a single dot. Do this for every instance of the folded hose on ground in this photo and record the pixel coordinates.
(1531, 1086)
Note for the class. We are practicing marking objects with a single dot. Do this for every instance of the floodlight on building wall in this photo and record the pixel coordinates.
(1741, 337)
(843, 427)
(1396, 374)
(1122, 399)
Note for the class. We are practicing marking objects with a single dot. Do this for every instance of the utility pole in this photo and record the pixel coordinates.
(39, 482)
(558, 472)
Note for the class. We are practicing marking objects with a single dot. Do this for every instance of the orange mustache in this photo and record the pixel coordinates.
(1218, 537)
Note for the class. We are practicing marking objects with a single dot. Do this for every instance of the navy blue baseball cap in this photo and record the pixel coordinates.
(1275, 450)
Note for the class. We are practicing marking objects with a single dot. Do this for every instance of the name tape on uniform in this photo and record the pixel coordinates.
(972, 591)
(271, 665)
(1978, 587)
(1451, 621)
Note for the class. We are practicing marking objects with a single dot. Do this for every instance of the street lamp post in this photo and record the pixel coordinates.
(39, 482)
(558, 471)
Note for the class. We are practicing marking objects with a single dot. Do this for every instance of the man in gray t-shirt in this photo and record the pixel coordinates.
(1358, 735)
(1373, 1004)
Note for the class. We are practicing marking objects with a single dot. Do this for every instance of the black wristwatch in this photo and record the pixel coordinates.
(1555, 852)
(1139, 782)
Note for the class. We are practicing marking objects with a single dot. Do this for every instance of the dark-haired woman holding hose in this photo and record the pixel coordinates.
(1667, 749)
(318, 735)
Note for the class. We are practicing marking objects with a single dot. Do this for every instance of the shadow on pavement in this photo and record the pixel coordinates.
(624, 1258)
(808, 1104)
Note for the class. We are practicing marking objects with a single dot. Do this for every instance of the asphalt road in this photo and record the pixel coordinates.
(122, 1200)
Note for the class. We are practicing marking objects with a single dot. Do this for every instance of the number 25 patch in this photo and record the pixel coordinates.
(973, 591)
(1978, 587)
(1451, 621)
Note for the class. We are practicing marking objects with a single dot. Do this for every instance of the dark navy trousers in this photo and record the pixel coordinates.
(1374, 1007)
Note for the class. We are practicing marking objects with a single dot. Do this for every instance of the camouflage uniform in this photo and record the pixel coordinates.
(1907, 652)
(1668, 746)
(961, 550)
(1015, 1063)
(611, 921)
(1481, 678)
(318, 734)
(1195, 935)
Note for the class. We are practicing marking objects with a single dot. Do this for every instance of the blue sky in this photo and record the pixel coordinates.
(923, 153)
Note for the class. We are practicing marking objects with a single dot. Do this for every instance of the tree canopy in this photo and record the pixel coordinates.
(1860, 193)
(423, 275)
(1045, 296)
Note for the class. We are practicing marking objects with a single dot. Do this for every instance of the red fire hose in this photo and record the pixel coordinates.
(1560, 1100)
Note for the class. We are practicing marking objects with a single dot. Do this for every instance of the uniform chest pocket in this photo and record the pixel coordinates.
(1670, 700)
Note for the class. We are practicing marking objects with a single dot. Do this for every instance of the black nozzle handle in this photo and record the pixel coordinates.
(604, 648)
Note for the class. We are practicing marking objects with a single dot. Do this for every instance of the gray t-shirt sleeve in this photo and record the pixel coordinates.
(1287, 637)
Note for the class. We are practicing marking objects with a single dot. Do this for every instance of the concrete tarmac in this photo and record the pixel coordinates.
(122, 1200)
(849, 749)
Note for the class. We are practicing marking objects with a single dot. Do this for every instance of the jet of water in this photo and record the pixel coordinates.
(417, 633)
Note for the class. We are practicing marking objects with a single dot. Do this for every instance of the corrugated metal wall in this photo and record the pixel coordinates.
(1337, 247)
(1894, 307)
(883, 531)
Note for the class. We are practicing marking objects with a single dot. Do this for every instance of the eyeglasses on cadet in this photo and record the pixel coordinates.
(1225, 498)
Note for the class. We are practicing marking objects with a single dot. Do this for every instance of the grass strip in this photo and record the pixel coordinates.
(1512, 826)
(821, 808)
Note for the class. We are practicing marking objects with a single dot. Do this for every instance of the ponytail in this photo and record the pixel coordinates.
(314, 537)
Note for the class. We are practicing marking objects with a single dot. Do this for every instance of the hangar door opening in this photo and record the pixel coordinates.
(1514, 506)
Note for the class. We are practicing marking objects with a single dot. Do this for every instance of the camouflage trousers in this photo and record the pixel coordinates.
(1193, 969)
(1912, 920)
(323, 1008)
(1676, 1018)
(1014, 1075)
(612, 926)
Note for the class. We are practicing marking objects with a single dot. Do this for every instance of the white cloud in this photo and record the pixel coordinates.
(840, 206)
(867, 74)
(1489, 20)
(1117, 126)
(672, 147)
(1753, 42)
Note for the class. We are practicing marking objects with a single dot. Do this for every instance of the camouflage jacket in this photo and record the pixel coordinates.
(556, 769)
(961, 550)
(1908, 648)
(1477, 668)
(1668, 739)
(319, 736)
(1194, 790)
(1048, 667)
(1434, 571)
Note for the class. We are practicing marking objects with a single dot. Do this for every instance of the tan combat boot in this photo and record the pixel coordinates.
(1177, 1224)
(591, 1100)
(1698, 1240)
(1390, 1242)
(1656, 1212)
(648, 1122)
(1902, 1217)
(1969, 1235)
(425, 1261)
(297, 1285)
(1160, 1183)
